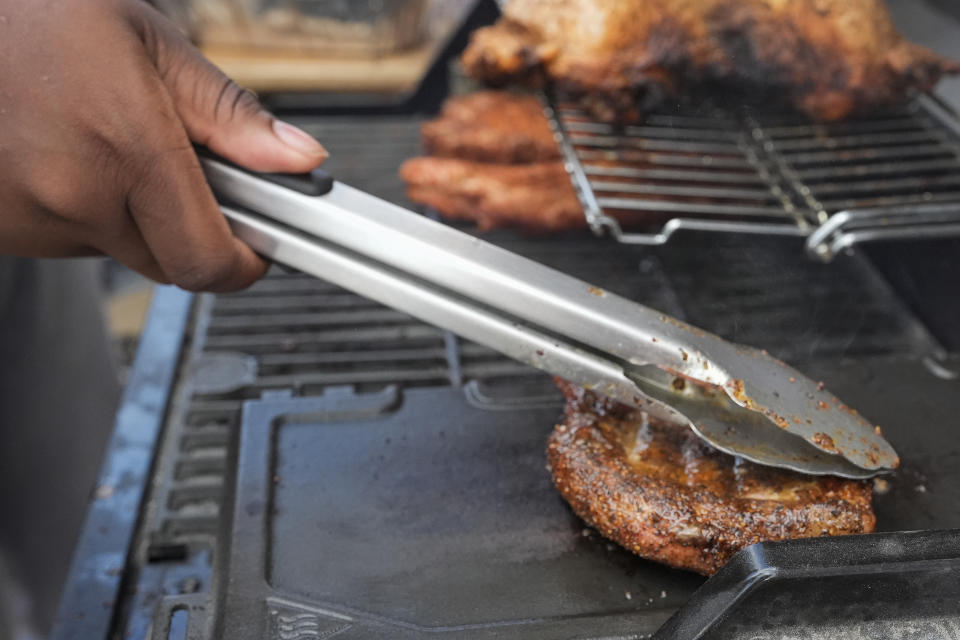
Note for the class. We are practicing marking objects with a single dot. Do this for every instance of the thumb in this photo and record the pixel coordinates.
(217, 112)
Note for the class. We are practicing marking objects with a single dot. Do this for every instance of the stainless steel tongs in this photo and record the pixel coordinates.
(739, 399)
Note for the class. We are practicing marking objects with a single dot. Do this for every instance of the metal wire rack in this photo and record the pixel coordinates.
(889, 176)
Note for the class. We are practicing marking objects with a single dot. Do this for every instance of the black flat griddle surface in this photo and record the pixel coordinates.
(425, 513)
(436, 516)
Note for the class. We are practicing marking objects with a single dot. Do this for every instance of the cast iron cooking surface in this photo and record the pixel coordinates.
(421, 514)
(429, 513)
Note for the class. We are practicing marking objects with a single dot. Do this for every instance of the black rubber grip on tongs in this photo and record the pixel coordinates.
(315, 183)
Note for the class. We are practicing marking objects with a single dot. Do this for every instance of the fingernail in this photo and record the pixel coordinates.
(298, 139)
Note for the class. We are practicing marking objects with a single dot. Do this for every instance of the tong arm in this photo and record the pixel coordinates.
(570, 311)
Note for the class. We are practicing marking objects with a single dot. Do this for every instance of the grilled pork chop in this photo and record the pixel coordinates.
(664, 494)
(827, 58)
(491, 126)
(532, 196)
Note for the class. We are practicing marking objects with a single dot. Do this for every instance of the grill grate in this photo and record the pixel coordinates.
(895, 175)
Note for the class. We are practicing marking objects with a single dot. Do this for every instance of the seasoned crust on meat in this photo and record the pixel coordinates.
(827, 58)
(533, 196)
(491, 126)
(664, 494)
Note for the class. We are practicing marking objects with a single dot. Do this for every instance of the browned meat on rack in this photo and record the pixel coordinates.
(494, 161)
(827, 58)
(533, 196)
(492, 126)
(664, 494)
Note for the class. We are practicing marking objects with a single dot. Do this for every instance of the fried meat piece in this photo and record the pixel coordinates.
(664, 494)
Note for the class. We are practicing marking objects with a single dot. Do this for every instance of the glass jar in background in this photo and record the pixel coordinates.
(354, 28)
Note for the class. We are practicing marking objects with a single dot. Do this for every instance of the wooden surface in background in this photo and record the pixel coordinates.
(264, 71)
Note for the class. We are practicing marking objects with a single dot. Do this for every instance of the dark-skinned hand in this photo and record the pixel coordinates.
(99, 103)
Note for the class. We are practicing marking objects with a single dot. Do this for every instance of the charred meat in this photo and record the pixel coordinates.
(664, 494)
(826, 58)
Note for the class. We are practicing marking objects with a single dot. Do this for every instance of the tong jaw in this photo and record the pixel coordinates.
(768, 387)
